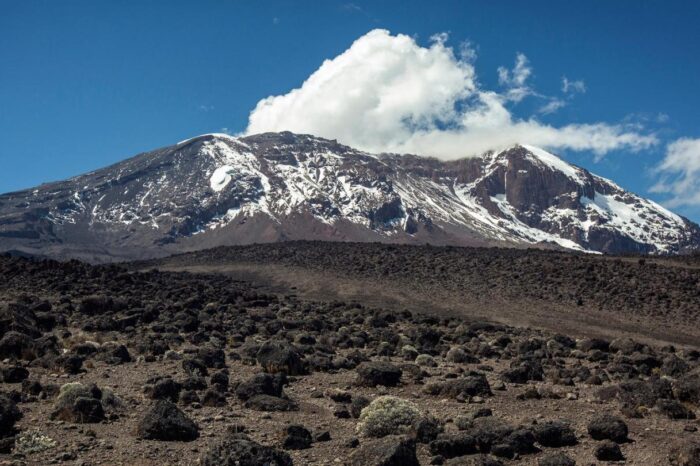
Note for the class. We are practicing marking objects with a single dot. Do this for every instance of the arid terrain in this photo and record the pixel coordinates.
(359, 354)
(655, 299)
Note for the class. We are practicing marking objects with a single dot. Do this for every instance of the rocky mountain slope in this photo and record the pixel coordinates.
(221, 190)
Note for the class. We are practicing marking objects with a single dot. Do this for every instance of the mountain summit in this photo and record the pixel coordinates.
(217, 189)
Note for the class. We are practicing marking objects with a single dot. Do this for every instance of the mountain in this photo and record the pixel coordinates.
(217, 189)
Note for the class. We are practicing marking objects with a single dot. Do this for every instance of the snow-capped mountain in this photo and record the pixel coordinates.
(217, 189)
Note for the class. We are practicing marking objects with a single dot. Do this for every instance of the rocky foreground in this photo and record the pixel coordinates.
(103, 365)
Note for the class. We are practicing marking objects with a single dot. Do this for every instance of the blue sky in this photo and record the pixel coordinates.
(87, 83)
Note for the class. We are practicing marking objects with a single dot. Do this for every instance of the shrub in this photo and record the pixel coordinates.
(425, 360)
(409, 352)
(33, 442)
(387, 415)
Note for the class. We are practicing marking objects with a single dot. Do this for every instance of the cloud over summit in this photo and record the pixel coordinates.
(387, 93)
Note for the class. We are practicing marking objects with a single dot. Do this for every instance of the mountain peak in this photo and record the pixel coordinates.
(221, 189)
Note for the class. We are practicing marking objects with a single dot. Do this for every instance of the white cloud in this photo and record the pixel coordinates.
(515, 80)
(572, 87)
(386, 93)
(680, 173)
(552, 106)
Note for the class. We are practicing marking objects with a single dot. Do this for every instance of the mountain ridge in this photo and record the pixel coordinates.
(217, 189)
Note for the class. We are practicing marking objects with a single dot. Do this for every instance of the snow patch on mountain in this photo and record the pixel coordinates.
(555, 163)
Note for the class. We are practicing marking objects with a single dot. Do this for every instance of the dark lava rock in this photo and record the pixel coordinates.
(608, 451)
(452, 445)
(522, 441)
(220, 380)
(488, 432)
(373, 373)
(15, 345)
(165, 421)
(212, 357)
(358, 403)
(392, 450)
(608, 427)
(194, 382)
(213, 398)
(556, 459)
(93, 305)
(72, 364)
(13, 374)
(674, 366)
(194, 368)
(341, 412)
(270, 403)
(9, 414)
(261, 384)
(297, 437)
(464, 387)
(503, 450)
(164, 389)
(523, 372)
(479, 460)
(114, 354)
(554, 434)
(426, 429)
(688, 388)
(674, 409)
(593, 344)
(279, 356)
(238, 450)
(639, 393)
(187, 397)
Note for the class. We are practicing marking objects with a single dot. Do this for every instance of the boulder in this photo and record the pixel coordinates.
(608, 427)
(15, 345)
(608, 451)
(9, 414)
(279, 356)
(391, 450)
(373, 373)
(261, 384)
(554, 434)
(674, 409)
(237, 449)
(296, 437)
(463, 387)
(13, 374)
(164, 421)
(453, 445)
(556, 459)
(270, 404)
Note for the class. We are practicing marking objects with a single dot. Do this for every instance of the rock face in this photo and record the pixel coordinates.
(219, 190)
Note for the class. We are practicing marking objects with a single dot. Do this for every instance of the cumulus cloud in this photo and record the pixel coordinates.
(387, 93)
(680, 173)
